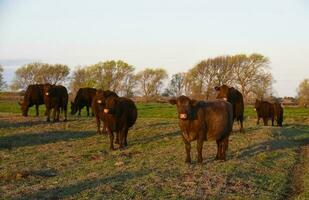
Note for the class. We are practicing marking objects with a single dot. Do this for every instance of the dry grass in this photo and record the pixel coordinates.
(68, 160)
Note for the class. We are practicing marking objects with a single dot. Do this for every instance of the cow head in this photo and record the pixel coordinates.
(73, 108)
(111, 104)
(24, 108)
(185, 106)
(223, 92)
(101, 99)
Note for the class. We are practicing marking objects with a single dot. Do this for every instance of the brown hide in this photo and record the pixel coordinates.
(204, 120)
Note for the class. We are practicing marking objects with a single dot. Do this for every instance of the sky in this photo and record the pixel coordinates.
(170, 34)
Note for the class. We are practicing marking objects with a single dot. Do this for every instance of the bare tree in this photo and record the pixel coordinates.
(262, 85)
(176, 85)
(150, 81)
(303, 93)
(246, 70)
(35, 73)
(2, 82)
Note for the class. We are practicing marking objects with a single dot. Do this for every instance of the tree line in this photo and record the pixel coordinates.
(248, 73)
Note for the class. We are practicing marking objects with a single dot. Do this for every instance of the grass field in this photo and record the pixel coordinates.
(68, 160)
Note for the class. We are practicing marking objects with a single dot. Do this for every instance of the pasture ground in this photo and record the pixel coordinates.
(68, 160)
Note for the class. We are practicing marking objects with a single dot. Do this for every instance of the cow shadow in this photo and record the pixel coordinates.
(70, 190)
(32, 139)
(146, 140)
(8, 124)
(291, 136)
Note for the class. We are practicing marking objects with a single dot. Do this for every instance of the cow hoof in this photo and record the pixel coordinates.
(48, 120)
(188, 161)
(65, 120)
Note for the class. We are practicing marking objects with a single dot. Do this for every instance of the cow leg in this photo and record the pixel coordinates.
(265, 120)
(37, 109)
(54, 114)
(111, 140)
(241, 120)
(58, 114)
(258, 120)
(122, 135)
(47, 113)
(98, 124)
(117, 138)
(65, 113)
(218, 150)
(272, 121)
(188, 150)
(200, 142)
(225, 144)
(87, 107)
(125, 138)
(79, 110)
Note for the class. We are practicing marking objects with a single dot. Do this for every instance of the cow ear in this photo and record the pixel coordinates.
(172, 101)
(217, 88)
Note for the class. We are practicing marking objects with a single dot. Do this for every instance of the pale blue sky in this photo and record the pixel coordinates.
(173, 34)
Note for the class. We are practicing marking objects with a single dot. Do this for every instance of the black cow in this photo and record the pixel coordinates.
(204, 120)
(233, 96)
(34, 95)
(83, 98)
(264, 110)
(56, 97)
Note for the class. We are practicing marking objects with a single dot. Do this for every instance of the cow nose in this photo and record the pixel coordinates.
(183, 116)
(225, 99)
(99, 101)
(106, 110)
(46, 93)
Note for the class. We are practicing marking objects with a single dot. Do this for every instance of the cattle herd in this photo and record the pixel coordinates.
(198, 120)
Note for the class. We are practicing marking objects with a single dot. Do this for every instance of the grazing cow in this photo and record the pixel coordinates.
(202, 121)
(233, 96)
(56, 98)
(121, 114)
(34, 95)
(98, 105)
(264, 110)
(83, 98)
(278, 113)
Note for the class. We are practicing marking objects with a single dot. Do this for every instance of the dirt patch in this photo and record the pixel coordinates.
(297, 182)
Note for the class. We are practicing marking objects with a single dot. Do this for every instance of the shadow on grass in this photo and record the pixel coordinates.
(8, 124)
(291, 136)
(146, 140)
(15, 141)
(70, 190)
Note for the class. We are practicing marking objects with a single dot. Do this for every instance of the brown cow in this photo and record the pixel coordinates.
(202, 121)
(83, 98)
(34, 95)
(278, 113)
(56, 98)
(233, 96)
(121, 114)
(98, 105)
(264, 110)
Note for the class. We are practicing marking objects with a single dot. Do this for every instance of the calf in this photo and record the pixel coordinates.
(120, 115)
(202, 121)
(264, 110)
(34, 95)
(278, 113)
(83, 98)
(56, 98)
(233, 96)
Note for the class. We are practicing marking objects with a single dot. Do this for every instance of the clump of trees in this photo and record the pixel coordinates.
(35, 73)
(2, 82)
(244, 72)
(248, 73)
(303, 93)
